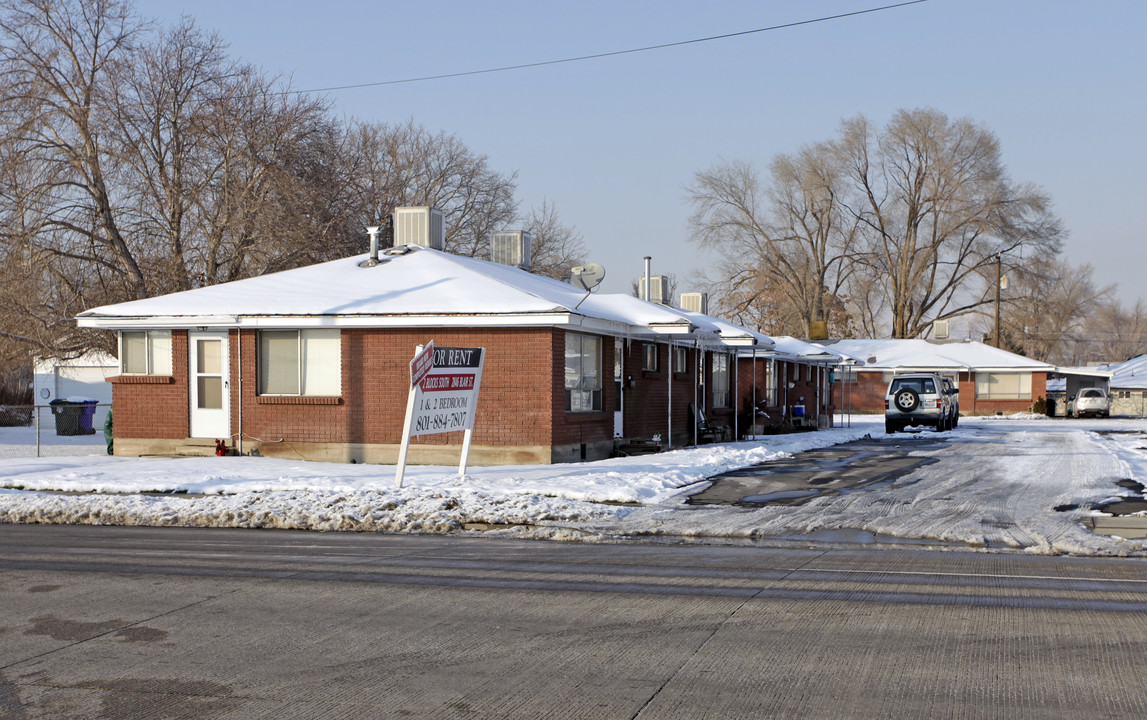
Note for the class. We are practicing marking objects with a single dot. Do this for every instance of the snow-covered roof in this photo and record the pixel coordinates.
(914, 354)
(793, 348)
(1130, 375)
(419, 287)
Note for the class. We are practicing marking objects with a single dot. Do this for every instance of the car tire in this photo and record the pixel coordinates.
(955, 421)
(906, 400)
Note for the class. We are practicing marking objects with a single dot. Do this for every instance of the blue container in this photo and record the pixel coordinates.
(87, 412)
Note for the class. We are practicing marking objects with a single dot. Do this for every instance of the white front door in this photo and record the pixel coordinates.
(210, 385)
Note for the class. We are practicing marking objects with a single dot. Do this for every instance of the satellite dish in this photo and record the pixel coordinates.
(587, 277)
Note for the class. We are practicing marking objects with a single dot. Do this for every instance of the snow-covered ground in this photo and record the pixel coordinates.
(997, 487)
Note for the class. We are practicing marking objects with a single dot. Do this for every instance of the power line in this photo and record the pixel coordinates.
(614, 53)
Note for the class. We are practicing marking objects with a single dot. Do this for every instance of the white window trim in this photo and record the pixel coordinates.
(721, 377)
(595, 391)
(150, 354)
(650, 351)
(299, 369)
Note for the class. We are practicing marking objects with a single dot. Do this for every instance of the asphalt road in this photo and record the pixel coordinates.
(182, 623)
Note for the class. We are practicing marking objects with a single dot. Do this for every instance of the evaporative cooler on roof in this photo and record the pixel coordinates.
(423, 226)
(511, 247)
(695, 302)
(657, 289)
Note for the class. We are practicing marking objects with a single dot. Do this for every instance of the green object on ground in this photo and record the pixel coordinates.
(108, 430)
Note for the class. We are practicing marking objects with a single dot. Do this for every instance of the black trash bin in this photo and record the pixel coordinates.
(67, 416)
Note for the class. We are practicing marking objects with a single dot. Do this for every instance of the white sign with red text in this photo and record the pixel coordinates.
(443, 397)
(448, 393)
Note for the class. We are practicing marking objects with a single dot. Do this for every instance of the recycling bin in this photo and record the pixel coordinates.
(87, 413)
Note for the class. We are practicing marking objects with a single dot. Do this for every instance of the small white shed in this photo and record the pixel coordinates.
(85, 376)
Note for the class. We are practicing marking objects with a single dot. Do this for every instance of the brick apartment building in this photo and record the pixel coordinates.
(313, 363)
(990, 380)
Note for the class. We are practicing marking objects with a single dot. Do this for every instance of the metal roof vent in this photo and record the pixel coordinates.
(513, 248)
(423, 226)
(695, 302)
(940, 329)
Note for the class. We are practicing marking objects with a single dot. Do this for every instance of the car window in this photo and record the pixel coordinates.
(1091, 393)
(920, 385)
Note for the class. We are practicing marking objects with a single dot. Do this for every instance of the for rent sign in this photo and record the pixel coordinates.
(448, 392)
(443, 397)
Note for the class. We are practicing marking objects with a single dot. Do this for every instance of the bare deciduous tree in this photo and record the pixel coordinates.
(1046, 308)
(556, 247)
(407, 165)
(1116, 334)
(894, 226)
(936, 207)
(789, 244)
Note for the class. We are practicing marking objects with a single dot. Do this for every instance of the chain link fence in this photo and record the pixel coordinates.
(62, 428)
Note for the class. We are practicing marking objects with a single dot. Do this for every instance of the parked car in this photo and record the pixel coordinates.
(954, 393)
(1089, 401)
(917, 399)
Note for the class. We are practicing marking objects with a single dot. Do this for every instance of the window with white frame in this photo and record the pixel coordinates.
(583, 372)
(719, 380)
(650, 357)
(145, 352)
(300, 362)
(680, 359)
(1003, 386)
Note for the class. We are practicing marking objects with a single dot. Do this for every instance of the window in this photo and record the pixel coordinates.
(1003, 386)
(846, 374)
(680, 359)
(583, 372)
(300, 362)
(650, 359)
(145, 352)
(923, 386)
(720, 381)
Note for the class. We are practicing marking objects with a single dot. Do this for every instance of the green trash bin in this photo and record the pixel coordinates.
(67, 416)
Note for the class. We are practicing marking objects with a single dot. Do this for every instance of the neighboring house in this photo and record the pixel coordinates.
(990, 380)
(83, 377)
(314, 363)
(1129, 387)
(1068, 381)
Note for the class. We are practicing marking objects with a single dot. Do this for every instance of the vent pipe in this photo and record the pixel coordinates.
(648, 280)
(374, 230)
(371, 261)
(387, 232)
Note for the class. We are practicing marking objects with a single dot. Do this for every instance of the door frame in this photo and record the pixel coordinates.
(213, 423)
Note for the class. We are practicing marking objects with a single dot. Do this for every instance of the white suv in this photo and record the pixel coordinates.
(917, 399)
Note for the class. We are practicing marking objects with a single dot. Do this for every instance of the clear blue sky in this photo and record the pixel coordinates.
(613, 142)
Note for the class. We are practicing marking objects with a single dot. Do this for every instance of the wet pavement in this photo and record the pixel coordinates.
(829, 471)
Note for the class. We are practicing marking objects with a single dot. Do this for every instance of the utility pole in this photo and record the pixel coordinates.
(999, 281)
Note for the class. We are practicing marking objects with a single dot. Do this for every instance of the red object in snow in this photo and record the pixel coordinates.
(220, 448)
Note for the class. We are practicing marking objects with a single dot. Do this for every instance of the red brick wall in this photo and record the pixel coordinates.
(647, 410)
(868, 395)
(154, 406)
(514, 403)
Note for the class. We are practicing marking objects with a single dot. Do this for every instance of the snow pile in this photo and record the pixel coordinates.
(278, 493)
(998, 486)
